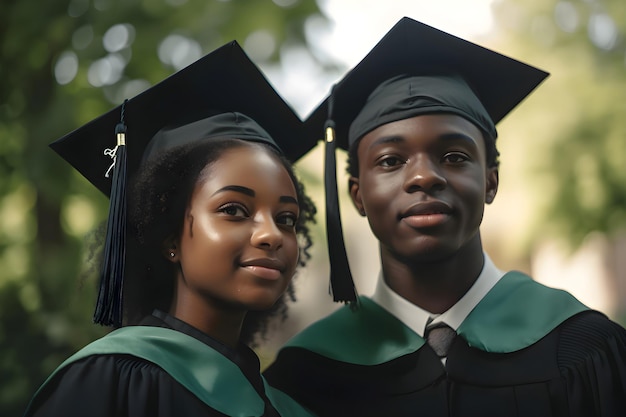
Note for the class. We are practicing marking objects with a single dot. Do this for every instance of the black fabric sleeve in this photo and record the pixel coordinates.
(592, 360)
(579, 369)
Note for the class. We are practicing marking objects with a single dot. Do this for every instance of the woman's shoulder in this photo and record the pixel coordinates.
(102, 369)
(101, 385)
(111, 366)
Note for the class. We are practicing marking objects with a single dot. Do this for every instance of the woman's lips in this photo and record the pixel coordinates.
(264, 268)
(263, 272)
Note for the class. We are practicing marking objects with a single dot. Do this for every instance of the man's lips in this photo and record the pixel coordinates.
(265, 268)
(426, 214)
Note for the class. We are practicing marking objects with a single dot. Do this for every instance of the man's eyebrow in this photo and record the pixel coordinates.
(448, 136)
(459, 136)
(387, 139)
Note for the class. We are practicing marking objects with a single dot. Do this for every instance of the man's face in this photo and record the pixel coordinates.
(423, 183)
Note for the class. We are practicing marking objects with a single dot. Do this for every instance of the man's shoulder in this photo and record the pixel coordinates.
(356, 320)
(364, 334)
(591, 329)
(516, 313)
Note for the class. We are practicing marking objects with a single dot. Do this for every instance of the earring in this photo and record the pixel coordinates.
(172, 254)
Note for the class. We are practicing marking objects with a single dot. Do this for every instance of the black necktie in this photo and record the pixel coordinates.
(439, 336)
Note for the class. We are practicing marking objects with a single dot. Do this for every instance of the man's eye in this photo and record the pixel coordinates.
(455, 157)
(389, 161)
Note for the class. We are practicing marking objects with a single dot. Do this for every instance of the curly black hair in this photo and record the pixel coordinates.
(492, 154)
(158, 197)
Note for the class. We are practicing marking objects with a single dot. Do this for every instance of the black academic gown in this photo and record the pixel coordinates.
(163, 367)
(525, 350)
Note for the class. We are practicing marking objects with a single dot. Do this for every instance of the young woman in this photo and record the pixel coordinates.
(217, 225)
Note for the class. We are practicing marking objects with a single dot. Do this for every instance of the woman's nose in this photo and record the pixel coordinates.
(266, 233)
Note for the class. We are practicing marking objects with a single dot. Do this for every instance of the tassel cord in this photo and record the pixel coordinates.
(109, 305)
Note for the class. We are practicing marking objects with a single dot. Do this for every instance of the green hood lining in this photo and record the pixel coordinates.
(209, 375)
(514, 314)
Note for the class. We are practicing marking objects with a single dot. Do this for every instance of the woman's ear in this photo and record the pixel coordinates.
(355, 194)
(491, 186)
(170, 250)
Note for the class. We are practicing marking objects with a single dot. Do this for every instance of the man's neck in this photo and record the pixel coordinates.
(435, 285)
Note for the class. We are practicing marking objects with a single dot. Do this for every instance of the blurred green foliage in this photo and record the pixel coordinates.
(570, 139)
(47, 209)
(577, 158)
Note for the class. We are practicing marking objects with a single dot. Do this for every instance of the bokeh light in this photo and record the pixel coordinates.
(66, 67)
(179, 51)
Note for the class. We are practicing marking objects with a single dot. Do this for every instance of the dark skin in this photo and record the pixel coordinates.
(238, 249)
(423, 183)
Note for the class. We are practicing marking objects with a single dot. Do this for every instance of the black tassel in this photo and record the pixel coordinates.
(110, 299)
(341, 282)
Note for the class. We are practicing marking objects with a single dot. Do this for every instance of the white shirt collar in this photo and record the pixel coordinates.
(416, 318)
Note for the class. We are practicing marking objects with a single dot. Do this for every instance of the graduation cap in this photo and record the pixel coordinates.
(221, 94)
(414, 69)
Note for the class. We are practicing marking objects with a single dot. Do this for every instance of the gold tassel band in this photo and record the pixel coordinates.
(330, 134)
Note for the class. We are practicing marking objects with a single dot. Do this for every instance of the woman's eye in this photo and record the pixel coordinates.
(288, 220)
(455, 157)
(233, 210)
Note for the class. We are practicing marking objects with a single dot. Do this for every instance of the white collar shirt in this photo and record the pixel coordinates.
(417, 318)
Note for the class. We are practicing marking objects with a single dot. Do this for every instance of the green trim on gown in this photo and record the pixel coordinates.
(209, 375)
(514, 314)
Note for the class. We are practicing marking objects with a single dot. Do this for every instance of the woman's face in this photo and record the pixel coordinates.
(238, 248)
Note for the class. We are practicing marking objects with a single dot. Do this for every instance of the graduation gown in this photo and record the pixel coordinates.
(157, 370)
(525, 350)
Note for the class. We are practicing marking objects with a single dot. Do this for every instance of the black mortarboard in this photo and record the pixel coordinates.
(221, 94)
(414, 69)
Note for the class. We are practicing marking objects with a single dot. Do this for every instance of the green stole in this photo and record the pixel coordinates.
(209, 375)
(513, 315)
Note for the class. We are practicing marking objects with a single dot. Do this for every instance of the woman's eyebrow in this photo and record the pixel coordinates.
(250, 192)
(288, 199)
(237, 188)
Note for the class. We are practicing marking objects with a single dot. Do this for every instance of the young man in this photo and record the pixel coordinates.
(446, 333)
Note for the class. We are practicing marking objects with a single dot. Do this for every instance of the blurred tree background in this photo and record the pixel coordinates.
(64, 62)
(564, 151)
(579, 156)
